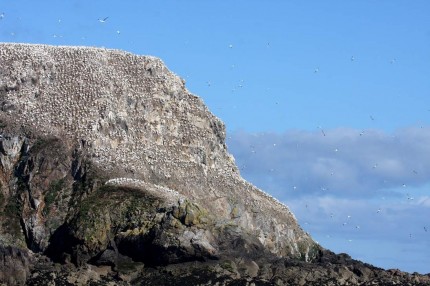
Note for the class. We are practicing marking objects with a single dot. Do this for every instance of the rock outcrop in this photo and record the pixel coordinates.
(112, 172)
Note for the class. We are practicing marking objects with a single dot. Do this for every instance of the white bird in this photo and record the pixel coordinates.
(103, 20)
(316, 70)
(378, 211)
(1, 15)
(230, 46)
(352, 58)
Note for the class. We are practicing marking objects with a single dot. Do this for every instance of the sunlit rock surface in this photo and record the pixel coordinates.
(112, 169)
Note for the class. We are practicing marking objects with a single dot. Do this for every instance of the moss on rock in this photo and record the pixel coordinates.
(190, 213)
(110, 210)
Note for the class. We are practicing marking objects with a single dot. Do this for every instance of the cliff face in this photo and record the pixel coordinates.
(135, 119)
(109, 165)
(138, 126)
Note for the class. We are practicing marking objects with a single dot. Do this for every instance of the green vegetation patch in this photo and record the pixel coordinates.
(2, 199)
(228, 265)
(109, 210)
(13, 207)
(54, 190)
(12, 212)
(312, 249)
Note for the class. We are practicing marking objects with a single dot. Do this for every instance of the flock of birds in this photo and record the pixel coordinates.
(347, 220)
(372, 118)
(316, 70)
(100, 20)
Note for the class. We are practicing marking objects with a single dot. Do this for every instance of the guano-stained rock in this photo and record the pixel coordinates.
(137, 120)
(112, 173)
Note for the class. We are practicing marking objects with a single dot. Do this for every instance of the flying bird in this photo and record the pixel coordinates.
(322, 131)
(103, 20)
(1, 15)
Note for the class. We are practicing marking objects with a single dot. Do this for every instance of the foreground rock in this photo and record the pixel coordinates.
(112, 172)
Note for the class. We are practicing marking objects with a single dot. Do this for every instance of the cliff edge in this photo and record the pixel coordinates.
(111, 168)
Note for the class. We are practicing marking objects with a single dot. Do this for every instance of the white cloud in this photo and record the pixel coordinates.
(343, 161)
(361, 192)
(365, 228)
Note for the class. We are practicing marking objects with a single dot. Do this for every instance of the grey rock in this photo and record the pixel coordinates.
(112, 173)
(136, 119)
(15, 265)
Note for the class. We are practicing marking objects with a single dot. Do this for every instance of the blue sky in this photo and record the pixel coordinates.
(327, 103)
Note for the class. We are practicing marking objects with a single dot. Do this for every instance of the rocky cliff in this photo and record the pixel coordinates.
(112, 172)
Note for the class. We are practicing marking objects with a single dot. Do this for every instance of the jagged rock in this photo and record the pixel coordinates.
(135, 119)
(112, 173)
(15, 265)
